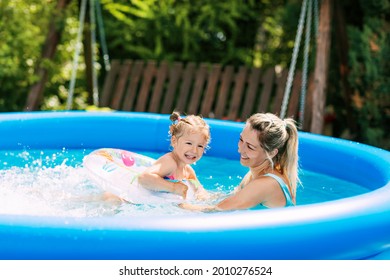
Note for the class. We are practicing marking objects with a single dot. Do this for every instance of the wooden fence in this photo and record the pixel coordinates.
(210, 90)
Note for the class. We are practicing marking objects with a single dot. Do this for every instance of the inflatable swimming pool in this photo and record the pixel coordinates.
(352, 228)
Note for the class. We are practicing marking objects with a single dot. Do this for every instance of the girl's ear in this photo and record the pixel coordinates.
(173, 141)
(273, 153)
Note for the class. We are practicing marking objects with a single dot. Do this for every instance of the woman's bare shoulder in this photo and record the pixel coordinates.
(261, 184)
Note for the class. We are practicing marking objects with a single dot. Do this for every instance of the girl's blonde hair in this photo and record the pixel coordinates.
(190, 123)
(275, 133)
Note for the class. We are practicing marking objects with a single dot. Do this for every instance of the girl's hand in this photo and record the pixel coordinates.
(180, 189)
(205, 195)
(202, 194)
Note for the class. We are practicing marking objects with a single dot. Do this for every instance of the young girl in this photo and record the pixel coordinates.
(268, 146)
(172, 172)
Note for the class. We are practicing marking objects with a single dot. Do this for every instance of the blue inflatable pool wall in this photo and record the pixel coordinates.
(351, 228)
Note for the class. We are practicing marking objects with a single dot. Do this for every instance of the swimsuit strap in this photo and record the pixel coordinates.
(284, 188)
(169, 177)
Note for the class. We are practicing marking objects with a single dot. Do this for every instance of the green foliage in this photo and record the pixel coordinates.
(252, 32)
(203, 30)
(377, 8)
(60, 68)
(22, 31)
(369, 77)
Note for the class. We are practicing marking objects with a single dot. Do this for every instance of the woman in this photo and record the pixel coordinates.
(269, 147)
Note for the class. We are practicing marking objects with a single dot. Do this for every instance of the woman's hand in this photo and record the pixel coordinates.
(201, 208)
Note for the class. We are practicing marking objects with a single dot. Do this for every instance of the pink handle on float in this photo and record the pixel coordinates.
(127, 159)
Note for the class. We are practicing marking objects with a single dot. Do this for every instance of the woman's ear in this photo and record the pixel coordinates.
(273, 153)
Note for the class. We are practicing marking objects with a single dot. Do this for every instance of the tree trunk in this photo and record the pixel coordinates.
(342, 48)
(321, 66)
(35, 94)
(87, 39)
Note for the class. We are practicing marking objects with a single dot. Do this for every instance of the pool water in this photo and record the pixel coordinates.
(54, 183)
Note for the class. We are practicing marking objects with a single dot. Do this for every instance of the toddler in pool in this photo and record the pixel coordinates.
(172, 172)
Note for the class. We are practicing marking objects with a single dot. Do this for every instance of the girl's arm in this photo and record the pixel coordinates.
(153, 177)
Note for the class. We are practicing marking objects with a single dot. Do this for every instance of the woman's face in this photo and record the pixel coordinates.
(252, 154)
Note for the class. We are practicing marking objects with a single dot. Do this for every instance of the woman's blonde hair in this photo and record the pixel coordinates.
(275, 133)
(190, 123)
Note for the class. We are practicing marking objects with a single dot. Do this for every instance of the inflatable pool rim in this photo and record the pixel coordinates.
(350, 228)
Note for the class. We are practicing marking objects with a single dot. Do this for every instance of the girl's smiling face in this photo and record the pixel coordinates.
(252, 154)
(190, 147)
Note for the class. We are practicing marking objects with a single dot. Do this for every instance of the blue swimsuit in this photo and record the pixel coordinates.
(284, 188)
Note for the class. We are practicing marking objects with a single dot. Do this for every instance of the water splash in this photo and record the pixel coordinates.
(54, 183)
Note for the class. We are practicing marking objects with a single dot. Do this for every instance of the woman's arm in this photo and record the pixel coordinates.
(255, 192)
(258, 191)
